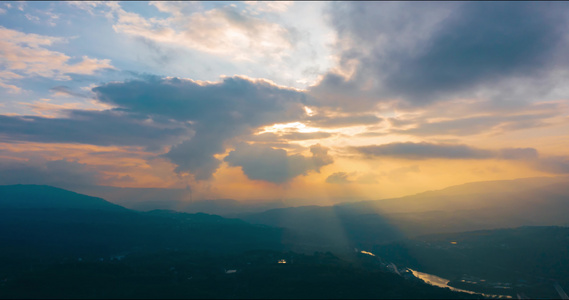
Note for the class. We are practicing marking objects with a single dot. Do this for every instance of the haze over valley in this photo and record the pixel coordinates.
(258, 149)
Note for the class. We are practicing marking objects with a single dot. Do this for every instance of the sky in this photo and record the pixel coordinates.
(283, 100)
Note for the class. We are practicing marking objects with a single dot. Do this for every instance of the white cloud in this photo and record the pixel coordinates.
(11, 88)
(222, 31)
(25, 55)
(270, 6)
(288, 43)
(32, 18)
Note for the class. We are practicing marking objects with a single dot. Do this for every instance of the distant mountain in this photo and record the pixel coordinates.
(329, 227)
(473, 206)
(47, 220)
(146, 199)
(41, 196)
(474, 195)
(516, 203)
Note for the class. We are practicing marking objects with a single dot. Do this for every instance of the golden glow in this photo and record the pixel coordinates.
(366, 178)
(287, 127)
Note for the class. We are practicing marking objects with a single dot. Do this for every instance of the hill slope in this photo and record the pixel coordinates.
(77, 246)
(474, 206)
(42, 196)
(47, 220)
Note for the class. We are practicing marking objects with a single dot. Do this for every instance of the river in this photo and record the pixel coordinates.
(443, 283)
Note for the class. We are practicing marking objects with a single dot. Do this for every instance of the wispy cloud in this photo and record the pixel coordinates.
(225, 31)
(425, 150)
(26, 55)
(94, 128)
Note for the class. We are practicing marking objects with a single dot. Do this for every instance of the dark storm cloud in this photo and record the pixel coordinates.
(479, 43)
(92, 127)
(260, 162)
(423, 52)
(217, 112)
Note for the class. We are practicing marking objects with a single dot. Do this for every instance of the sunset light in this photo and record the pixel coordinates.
(423, 132)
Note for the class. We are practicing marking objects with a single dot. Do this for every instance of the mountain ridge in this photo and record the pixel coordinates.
(45, 196)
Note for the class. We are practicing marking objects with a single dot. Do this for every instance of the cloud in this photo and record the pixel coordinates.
(26, 55)
(518, 153)
(553, 164)
(349, 178)
(197, 120)
(270, 6)
(421, 151)
(48, 17)
(233, 100)
(260, 162)
(65, 90)
(425, 150)
(320, 156)
(61, 173)
(465, 117)
(270, 137)
(325, 120)
(217, 112)
(496, 40)
(10, 87)
(298, 136)
(93, 127)
(427, 52)
(338, 178)
(475, 125)
(267, 40)
(400, 174)
(224, 30)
